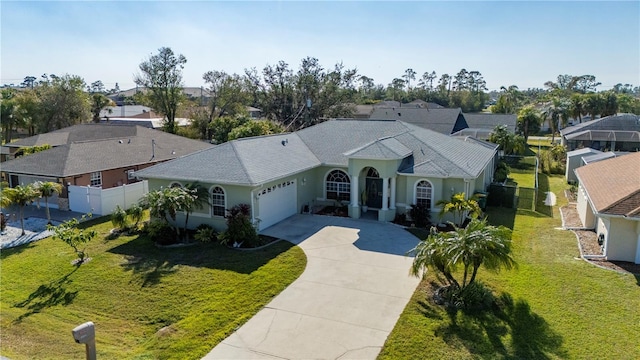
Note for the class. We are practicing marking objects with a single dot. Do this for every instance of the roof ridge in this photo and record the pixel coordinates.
(244, 168)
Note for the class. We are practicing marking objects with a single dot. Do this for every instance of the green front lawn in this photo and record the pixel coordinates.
(146, 302)
(552, 306)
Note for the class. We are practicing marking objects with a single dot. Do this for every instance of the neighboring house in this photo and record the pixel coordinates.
(615, 133)
(148, 119)
(609, 203)
(254, 113)
(423, 104)
(481, 125)
(445, 121)
(96, 155)
(394, 163)
(574, 161)
(123, 111)
(190, 91)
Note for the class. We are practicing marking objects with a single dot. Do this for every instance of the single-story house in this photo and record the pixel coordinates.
(445, 121)
(148, 119)
(616, 133)
(95, 155)
(481, 125)
(123, 111)
(609, 202)
(574, 161)
(386, 165)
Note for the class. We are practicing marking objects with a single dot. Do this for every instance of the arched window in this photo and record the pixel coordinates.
(372, 173)
(423, 193)
(218, 201)
(338, 186)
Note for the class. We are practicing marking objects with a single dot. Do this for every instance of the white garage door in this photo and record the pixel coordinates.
(277, 203)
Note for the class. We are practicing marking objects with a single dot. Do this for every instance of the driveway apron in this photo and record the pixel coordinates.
(345, 303)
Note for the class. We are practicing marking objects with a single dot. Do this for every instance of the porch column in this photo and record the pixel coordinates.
(385, 194)
(393, 193)
(354, 191)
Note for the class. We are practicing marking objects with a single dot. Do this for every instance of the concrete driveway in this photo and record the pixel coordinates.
(345, 303)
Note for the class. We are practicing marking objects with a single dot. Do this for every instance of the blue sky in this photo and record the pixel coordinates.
(521, 43)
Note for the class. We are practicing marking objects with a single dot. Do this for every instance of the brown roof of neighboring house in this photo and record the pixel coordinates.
(613, 185)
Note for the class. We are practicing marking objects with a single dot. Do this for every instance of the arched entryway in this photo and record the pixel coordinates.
(372, 188)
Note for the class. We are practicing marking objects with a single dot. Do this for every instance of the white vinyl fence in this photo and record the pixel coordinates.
(97, 201)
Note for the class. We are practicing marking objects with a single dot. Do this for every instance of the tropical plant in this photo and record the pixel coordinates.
(46, 190)
(164, 204)
(69, 233)
(5, 201)
(240, 230)
(460, 207)
(135, 213)
(421, 215)
(528, 121)
(205, 233)
(119, 219)
(197, 197)
(477, 244)
(21, 195)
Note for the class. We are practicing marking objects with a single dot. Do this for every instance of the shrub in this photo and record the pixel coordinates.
(502, 172)
(205, 233)
(240, 230)
(473, 297)
(401, 219)
(160, 232)
(119, 218)
(421, 215)
(135, 213)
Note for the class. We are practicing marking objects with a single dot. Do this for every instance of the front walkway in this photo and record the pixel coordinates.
(346, 302)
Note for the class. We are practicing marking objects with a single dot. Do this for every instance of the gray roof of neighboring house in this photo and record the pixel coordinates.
(120, 146)
(605, 135)
(583, 151)
(75, 133)
(473, 132)
(445, 121)
(621, 122)
(254, 161)
(602, 156)
(490, 121)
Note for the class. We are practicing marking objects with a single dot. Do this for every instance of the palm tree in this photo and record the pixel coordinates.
(528, 118)
(556, 110)
(198, 197)
(477, 244)
(5, 201)
(46, 190)
(21, 195)
(459, 207)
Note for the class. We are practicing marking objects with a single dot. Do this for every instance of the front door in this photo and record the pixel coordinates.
(374, 193)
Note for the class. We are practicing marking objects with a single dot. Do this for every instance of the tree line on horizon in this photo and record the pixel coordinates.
(295, 98)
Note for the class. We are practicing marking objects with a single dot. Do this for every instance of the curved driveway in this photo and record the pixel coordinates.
(345, 303)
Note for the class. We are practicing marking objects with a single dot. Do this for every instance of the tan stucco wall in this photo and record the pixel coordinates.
(584, 209)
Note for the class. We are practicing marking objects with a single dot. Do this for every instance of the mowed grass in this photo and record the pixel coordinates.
(553, 306)
(146, 302)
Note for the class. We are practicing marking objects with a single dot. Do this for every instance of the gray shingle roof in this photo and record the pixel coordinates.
(382, 149)
(253, 161)
(134, 147)
(444, 121)
(490, 121)
(75, 133)
(249, 161)
(622, 122)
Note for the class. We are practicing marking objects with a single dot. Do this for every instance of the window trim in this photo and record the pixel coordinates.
(415, 192)
(338, 191)
(213, 205)
(97, 178)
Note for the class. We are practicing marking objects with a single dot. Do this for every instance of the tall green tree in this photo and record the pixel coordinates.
(161, 76)
(408, 76)
(528, 121)
(7, 113)
(557, 113)
(46, 189)
(479, 244)
(21, 195)
(255, 128)
(228, 95)
(62, 102)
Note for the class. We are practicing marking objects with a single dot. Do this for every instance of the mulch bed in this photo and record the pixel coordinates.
(589, 241)
(570, 217)
(334, 211)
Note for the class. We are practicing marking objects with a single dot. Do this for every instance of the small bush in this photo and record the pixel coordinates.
(240, 230)
(401, 219)
(160, 232)
(119, 219)
(135, 214)
(502, 172)
(421, 215)
(472, 297)
(205, 233)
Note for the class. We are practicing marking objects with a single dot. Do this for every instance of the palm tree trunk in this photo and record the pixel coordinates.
(22, 219)
(473, 274)
(186, 220)
(46, 204)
